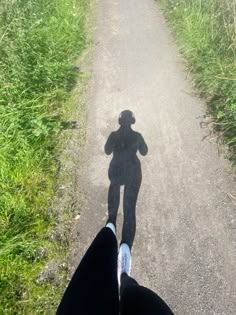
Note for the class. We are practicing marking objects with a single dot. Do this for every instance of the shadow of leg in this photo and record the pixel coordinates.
(113, 202)
(129, 223)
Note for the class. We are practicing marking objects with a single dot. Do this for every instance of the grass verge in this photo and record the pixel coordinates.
(206, 34)
(39, 42)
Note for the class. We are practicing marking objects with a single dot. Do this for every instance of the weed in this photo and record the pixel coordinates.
(39, 41)
(206, 35)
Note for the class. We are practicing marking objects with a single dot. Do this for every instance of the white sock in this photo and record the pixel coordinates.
(112, 227)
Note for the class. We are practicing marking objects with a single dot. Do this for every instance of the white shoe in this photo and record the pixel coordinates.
(124, 260)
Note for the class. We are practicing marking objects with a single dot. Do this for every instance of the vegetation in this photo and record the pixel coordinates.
(39, 41)
(206, 34)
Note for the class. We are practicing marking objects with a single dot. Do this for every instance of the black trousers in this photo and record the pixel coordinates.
(138, 300)
(93, 289)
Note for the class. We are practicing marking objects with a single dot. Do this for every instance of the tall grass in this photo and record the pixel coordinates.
(39, 41)
(206, 34)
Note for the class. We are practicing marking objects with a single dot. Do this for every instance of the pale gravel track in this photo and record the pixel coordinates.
(185, 246)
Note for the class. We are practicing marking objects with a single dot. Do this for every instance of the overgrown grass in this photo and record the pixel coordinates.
(206, 34)
(39, 41)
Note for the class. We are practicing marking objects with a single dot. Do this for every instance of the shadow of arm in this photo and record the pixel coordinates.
(143, 148)
(108, 148)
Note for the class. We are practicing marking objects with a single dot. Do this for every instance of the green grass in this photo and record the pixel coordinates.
(206, 34)
(39, 41)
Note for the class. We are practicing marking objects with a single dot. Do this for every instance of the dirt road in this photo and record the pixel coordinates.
(185, 244)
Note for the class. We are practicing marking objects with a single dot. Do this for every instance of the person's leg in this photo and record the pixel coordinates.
(93, 289)
(129, 207)
(136, 299)
(113, 202)
(126, 281)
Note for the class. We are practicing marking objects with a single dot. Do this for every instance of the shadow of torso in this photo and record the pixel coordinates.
(125, 167)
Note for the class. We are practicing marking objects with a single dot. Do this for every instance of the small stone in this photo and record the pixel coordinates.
(77, 217)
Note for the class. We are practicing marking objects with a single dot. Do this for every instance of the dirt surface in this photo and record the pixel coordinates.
(185, 245)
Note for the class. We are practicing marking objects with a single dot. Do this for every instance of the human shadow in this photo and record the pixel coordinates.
(125, 170)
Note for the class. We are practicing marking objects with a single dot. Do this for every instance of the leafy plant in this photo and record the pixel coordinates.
(39, 41)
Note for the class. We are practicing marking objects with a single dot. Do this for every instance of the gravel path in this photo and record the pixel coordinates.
(185, 245)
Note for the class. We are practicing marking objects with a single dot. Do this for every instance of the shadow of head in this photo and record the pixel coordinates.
(126, 118)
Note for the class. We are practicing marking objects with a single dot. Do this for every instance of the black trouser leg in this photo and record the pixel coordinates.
(136, 299)
(93, 289)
